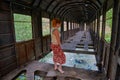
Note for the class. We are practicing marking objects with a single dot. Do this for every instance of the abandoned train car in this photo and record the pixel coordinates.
(89, 28)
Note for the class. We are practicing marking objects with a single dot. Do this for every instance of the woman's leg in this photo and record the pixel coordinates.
(55, 66)
(60, 68)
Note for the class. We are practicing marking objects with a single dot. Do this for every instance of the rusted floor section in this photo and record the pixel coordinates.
(51, 74)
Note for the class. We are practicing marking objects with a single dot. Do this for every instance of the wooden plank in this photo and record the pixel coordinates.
(44, 45)
(48, 44)
(21, 54)
(118, 60)
(6, 52)
(25, 51)
(30, 50)
(38, 48)
(5, 27)
(7, 61)
(107, 58)
(6, 39)
(7, 69)
(7, 45)
(5, 16)
(4, 5)
(79, 52)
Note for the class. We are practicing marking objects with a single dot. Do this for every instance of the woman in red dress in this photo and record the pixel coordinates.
(58, 54)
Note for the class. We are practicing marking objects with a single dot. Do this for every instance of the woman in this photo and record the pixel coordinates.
(58, 54)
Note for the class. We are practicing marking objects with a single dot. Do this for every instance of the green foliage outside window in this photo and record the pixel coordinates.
(100, 26)
(23, 27)
(45, 26)
(108, 25)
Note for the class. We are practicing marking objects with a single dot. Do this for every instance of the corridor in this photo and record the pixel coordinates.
(78, 66)
(90, 37)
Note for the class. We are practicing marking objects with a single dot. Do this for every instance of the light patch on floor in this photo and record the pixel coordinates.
(82, 49)
(85, 61)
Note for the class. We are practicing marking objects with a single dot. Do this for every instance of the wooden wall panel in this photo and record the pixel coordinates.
(5, 5)
(8, 60)
(6, 39)
(6, 25)
(46, 44)
(25, 52)
(6, 52)
(38, 48)
(5, 16)
(30, 50)
(7, 69)
(21, 53)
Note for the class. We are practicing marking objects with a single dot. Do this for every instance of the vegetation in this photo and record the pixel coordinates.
(45, 26)
(108, 25)
(23, 27)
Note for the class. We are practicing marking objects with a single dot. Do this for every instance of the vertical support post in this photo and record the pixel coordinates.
(103, 31)
(113, 39)
(62, 31)
(98, 46)
(70, 29)
(103, 21)
(67, 29)
(98, 30)
(94, 26)
(40, 28)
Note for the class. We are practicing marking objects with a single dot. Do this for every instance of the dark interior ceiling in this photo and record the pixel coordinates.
(76, 10)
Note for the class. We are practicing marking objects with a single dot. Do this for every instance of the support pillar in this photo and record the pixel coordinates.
(111, 71)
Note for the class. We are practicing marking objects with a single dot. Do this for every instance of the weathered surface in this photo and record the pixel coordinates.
(45, 67)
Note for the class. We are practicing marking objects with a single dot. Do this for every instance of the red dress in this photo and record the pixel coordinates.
(58, 54)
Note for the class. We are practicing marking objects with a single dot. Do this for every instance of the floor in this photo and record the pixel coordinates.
(81, 37)
(80, 63)
(85, 61)
(46, 71)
